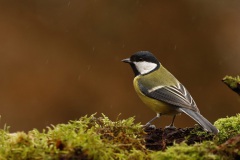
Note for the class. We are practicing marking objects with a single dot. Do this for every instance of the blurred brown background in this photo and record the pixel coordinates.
(61, 59)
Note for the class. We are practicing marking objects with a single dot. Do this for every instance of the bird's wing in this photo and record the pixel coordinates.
(174, 95)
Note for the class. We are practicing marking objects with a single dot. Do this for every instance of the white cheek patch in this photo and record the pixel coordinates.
(144, 67)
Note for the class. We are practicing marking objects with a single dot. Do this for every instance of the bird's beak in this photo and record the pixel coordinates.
(127, 60)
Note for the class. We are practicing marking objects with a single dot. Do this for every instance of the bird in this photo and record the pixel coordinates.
(162, 92)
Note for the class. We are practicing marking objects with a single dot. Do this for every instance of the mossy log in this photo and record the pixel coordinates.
(93, 137)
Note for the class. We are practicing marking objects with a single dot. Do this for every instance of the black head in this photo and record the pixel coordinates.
(143, 62)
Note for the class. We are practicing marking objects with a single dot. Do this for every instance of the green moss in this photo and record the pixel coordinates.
(89, 137)
(100, 138)
(231, 81)
(228, 128)
(230, 148)
(182, 151)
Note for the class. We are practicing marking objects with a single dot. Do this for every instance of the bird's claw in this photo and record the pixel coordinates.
(149, 125)
(170, 127)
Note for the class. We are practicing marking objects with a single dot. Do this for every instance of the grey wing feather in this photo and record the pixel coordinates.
(180, 97)
(174, 95)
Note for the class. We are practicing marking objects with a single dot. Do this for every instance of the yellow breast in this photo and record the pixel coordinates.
(155, 105)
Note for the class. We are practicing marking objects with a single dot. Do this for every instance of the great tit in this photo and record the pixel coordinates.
(162, 92)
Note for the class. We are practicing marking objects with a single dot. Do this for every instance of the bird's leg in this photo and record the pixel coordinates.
(149, 123)
(172, 123)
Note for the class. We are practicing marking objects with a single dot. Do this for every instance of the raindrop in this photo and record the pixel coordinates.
(175, 47)
(79, 77)
(89, 67)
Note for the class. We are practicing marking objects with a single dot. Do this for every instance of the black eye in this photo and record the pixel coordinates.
(140, 59)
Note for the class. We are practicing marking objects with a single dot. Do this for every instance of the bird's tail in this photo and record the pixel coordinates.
(200, 120)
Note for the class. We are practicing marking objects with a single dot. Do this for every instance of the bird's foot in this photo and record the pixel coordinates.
(149, 125)
(170, 127)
